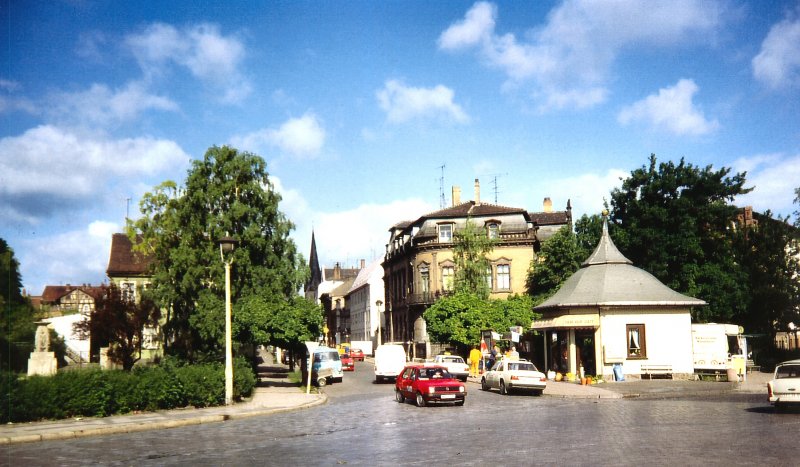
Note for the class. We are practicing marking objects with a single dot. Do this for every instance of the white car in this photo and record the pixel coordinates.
(507, 375)
(784, 389)
(455, 365)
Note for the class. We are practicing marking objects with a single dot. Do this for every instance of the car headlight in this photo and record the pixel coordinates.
(431, 390)
(462, 389)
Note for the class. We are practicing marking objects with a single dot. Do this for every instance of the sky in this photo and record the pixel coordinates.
(367, 113)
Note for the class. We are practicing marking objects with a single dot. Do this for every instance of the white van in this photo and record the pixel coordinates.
(390, 359)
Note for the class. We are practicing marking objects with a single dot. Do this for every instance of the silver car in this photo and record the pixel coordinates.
(507, 375)
(784, 389)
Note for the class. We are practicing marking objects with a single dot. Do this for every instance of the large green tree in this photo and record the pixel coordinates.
(470, 247)
(559, 257)
(227, 193)
(18, 328)
(673, 220)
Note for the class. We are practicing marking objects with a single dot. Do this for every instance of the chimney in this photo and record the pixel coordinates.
(548, 205)
(337, 272)
(456, 195)
(362, 263)
(477, 192)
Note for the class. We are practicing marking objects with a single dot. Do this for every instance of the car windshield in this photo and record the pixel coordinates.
(434, 373)
(326, 356)
(787, 371)
(524, 366)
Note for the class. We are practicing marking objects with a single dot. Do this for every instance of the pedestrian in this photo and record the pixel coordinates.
(513, 354)
(474, 360)
(493, 356)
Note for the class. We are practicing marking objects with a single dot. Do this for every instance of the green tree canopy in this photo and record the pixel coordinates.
(228, 193)
(18, 325)
(470, 247)
(673, 221)
(559, 257)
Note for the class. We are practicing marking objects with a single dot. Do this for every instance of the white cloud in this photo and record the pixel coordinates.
(47, 169)
(670, 110)
(100, 106)
(202, 49)
(73, 257)
(299, 137)
(774, 178)
(403, 103)
(586, 192)
(778, 62)
(477, 26)
(9, 101)
(569, 58)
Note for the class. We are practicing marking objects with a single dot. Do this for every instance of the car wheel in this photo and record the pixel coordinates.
(399, 396)
(538, 392)
(779, 408)
(322, 382)
(503, 389)
(420, 400)
(378, 379)
(484, 385)
(459, 403)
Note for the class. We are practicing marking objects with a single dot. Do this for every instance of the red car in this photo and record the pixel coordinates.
(428, 383)
(348, 364)
(357, 354)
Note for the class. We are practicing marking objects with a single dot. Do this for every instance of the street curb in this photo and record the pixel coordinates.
(166, 424)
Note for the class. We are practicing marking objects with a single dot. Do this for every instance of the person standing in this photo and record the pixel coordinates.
(474, 360)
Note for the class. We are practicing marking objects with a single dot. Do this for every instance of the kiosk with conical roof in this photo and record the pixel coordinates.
(610, 313)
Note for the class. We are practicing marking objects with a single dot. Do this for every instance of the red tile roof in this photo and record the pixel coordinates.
(123, 261)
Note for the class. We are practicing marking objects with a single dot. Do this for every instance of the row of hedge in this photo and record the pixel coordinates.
(99, 393)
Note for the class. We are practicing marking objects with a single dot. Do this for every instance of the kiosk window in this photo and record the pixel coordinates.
(636, 341)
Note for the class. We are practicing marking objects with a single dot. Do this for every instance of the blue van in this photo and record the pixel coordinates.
(326, 366)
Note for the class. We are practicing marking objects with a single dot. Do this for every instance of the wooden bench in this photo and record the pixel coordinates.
(751, 366)
(656, 369)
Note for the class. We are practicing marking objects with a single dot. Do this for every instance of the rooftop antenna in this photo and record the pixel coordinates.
(495, 185)
(441, 188)
(127, 208)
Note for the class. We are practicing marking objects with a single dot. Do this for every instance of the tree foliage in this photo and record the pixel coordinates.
(228, 193)
(559, 257)
(673, 221)
(18, 326)
(470, 247)
(459, 319)
(118, 322)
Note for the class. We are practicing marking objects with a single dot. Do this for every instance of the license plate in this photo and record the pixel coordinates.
(448, 396)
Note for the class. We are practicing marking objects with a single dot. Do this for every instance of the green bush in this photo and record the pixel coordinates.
(92, 392)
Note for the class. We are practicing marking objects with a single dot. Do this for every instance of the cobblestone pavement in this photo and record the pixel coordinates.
(363, 425)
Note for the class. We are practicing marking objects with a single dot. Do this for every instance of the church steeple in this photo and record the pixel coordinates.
(313, 263)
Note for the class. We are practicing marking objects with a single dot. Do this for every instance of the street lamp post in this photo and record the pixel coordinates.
(226, 246)
(379, 303)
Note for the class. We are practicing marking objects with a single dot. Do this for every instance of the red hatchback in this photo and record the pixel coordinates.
(357, 354)
(348, 364)
(427, 384)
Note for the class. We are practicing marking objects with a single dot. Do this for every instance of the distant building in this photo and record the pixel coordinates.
(361, 302)
(419, 267)
(66, 305)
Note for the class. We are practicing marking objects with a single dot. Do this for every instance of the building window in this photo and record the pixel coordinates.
(503, 277)
(128, 290)
(489, 277)
(424, 279)
(636, 341)
(447, 278)
(493, 229)
(445, 233)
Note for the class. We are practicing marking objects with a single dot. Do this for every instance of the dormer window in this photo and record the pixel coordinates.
(445, 233)
(493, 229)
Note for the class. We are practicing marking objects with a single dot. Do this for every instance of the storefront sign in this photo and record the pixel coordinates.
(568, 321)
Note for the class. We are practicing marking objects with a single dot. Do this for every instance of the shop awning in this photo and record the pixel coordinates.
(568, 321)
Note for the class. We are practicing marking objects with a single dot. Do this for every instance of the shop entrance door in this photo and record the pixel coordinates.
(584, 351)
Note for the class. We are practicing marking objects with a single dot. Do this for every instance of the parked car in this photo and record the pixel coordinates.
(429, 383)
(454, 364)
(784, 389)
(357, 354)
(507, 375)
(389, 361)
(348, 364)
(326, 366)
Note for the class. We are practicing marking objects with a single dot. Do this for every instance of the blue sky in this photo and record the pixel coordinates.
(356, 106)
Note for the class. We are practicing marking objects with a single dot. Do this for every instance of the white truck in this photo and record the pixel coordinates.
(390, 359)
(715, 346)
